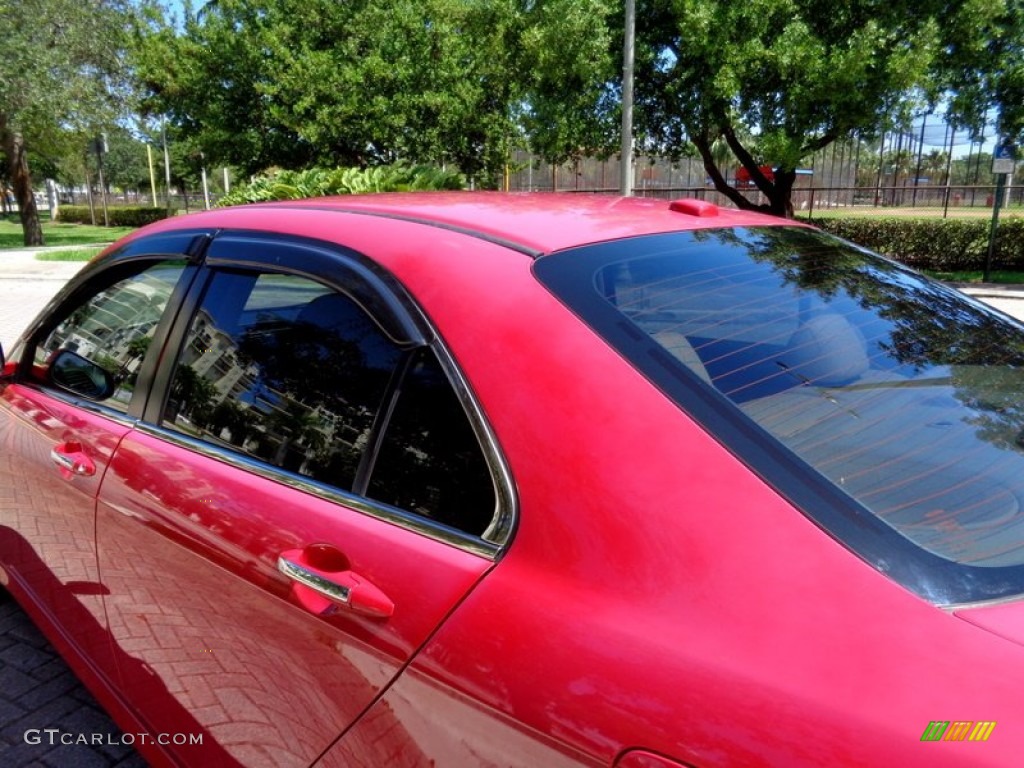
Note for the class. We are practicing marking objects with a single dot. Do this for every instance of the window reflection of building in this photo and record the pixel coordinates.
(240, 408)
(213, 355)
(113, 329)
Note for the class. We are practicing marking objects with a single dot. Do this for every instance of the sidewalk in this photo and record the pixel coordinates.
(1005, 298)
(26, 285)
(21, 264)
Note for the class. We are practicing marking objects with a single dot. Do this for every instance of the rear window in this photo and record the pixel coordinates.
(849, 382)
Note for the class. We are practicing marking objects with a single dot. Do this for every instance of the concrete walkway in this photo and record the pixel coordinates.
(26, 285)
(22, 264)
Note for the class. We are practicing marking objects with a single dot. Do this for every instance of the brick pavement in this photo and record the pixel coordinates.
(39, 691)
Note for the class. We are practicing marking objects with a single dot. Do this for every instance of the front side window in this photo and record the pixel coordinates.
(109, 333)
(291, 373)
(892, 393)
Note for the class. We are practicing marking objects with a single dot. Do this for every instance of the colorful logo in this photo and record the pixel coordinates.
(958, 730)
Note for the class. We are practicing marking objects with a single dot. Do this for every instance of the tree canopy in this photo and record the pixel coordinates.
(61, 75)
(295, 83)
(779, 79)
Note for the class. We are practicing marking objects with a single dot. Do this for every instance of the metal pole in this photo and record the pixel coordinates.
(167, 167)
(920, 153)
(856, 168)
(878, 179)
(1000, 183)
(103, 183)
(88, 190)
(206, 189)
(152, 173)
(626, 166)
(949, 172)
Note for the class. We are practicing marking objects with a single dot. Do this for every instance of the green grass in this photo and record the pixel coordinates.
(68, 254)
(975, 276)
(55, 233)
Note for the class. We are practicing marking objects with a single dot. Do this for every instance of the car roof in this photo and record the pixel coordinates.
(535, 223)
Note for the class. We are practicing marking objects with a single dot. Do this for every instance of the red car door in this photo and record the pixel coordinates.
(305, 502)
(69, 400)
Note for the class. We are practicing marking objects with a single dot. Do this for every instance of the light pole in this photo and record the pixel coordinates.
(167, 166)
(628, 45)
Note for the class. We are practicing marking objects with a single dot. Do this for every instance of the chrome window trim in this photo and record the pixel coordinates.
(492, 542)
(378, 510)
(503, 521)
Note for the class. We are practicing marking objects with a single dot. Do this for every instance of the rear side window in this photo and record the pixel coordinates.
(430, 462)
(889, 392)
(294, 374)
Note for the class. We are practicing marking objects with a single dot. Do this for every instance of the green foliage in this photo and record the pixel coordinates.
(62, 67)
(780, 79)
(983, 65)
(297, 83)
(935, 244)
(118, 216)
(318, 182)
(571, 52)
(62, 78)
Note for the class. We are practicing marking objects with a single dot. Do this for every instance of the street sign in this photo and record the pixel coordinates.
(1004, 158)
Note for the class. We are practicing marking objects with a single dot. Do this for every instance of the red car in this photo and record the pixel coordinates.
(522, 480)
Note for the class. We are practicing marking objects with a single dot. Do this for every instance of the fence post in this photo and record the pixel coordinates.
(810, 204)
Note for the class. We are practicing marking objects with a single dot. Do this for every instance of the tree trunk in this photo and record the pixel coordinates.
(21, 180)
(778, 190)
(780, 199)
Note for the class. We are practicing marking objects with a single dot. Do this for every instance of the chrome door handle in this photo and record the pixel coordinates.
(72, 460)
(344, 588)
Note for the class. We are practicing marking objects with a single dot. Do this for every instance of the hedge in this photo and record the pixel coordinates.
(944, 245)
(117, 216)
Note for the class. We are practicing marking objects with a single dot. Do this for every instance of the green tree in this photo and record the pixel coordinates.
(61, 71)
(983, 65)
(297, 83)
(796, 75)
(569, 55)
(125, 165)
(933, 165)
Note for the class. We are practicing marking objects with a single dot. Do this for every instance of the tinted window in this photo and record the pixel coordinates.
(114, 327)
(906, 396)
(290, 372)
(285, 370)
(430, 461)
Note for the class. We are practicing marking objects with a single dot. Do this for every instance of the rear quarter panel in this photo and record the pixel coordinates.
(657, 592)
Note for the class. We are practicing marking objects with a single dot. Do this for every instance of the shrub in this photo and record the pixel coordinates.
(117, 216)
(318, 182)
(944, 245)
